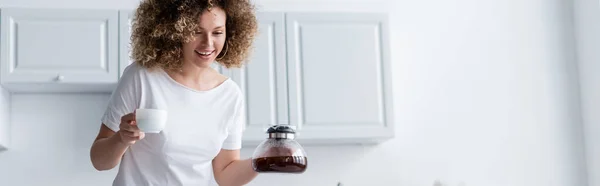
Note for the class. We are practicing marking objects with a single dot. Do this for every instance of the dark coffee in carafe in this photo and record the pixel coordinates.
(284, 164)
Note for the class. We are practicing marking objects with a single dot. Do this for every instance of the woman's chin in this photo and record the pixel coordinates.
(203, 62)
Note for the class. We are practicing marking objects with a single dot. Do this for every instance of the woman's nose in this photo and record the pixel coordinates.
(206, 40)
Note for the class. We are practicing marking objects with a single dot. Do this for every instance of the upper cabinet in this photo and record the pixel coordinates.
(339, 76)
(327, 74)
(59, 50)
(264, 79)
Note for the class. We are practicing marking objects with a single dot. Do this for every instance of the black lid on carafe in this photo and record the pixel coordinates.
(281, 129)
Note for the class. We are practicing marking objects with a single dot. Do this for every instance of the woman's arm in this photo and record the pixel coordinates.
(109, 146)
(229, 170)
(118, 129)
(107, 149)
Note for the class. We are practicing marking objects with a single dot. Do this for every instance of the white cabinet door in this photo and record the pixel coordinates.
(263, 79)
(54, 46)
(4, 119)
(339, 76)
(125, 19)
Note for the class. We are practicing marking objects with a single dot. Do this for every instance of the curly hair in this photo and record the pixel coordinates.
(160, 27)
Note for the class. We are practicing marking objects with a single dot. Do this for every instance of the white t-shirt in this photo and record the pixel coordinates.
(199, 125)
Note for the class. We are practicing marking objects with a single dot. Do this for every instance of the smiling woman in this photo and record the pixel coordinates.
(197, 138)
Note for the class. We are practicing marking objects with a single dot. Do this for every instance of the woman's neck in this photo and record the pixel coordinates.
(198, 74)
(199, 78)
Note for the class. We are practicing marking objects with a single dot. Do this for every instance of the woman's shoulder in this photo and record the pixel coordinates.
(135, 70)
(234, 93)
(232, 87)
(228, 89)
(135, 75)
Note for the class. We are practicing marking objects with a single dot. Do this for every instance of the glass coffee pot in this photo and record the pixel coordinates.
(279, 153)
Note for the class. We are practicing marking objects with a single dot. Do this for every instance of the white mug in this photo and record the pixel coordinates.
(151, 120)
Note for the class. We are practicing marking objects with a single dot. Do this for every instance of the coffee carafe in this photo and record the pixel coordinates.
(279, 153)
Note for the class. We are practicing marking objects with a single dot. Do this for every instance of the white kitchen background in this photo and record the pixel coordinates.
(486, 93)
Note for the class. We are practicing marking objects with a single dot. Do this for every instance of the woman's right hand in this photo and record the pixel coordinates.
(129, 132)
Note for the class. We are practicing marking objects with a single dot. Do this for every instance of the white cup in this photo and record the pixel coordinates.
(151, 120)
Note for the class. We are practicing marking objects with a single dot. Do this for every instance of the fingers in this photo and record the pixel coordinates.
(131, 140)
(141, 136)
(132, 136)
(128, 123)
(128, 118)
(131, 126)
(129, 131)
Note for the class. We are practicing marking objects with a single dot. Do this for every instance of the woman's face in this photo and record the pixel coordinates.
(208, 40)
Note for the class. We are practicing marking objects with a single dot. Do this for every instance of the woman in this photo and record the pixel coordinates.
(174, 43)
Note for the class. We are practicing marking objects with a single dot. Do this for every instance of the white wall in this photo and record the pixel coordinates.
(587, 19)
(485, 94)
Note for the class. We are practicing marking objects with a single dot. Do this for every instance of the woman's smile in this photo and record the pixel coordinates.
(205, 54)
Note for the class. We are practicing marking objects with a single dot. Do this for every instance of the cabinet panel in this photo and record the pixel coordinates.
(125, 20)
(263, 79)
(4, 119)
(59, 46)
(339, 78)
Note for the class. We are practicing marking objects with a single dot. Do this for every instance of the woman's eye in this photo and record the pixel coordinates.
(218, 33)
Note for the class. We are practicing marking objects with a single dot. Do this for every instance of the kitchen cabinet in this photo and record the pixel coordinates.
(339, 76)
(263, 79)
(59, 49)
(4, 119)
(125, 19)
(327, 74)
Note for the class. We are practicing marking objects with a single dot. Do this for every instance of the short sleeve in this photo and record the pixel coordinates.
(236, 127)
(124, 99)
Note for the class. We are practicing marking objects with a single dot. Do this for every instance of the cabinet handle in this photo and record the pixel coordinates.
(60, 77)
